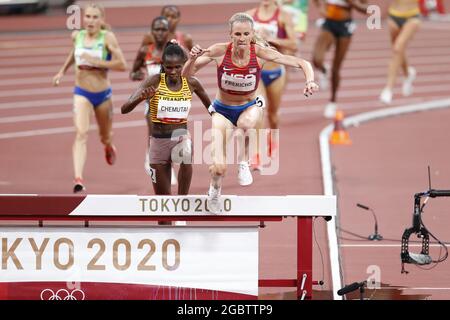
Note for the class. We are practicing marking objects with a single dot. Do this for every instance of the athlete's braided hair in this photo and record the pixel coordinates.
(173, 49)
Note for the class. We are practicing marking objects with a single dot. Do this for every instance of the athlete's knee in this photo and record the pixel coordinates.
(246, 122)
(81, 135)
(218, 169)
(398, 49)
(249, 118)
(218, 121)
(317, 62)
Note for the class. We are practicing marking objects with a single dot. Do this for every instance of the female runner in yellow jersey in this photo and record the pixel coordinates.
(169, 96)
(404, 21)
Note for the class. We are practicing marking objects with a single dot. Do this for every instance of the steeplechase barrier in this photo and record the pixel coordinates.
(103, 247)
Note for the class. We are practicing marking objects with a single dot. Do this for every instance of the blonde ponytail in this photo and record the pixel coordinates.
(258, 40)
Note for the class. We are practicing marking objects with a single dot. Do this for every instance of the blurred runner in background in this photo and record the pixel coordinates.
(403, 22)
(95, 51)
(337, 29)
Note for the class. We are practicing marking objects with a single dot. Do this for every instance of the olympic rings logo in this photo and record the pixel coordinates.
(62, 294)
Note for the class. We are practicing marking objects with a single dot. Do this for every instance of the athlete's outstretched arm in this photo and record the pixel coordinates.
(146, 90)
(139, 61)
(200, 92)
(118, 61)
(199, 57)
(269, 54)
(67, 64)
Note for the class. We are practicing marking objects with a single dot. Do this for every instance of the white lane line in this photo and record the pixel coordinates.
(290, 95)
(129, 124)
(354, 86)
(116, 125)
(130, 40)
(419, 56)
(332, 225)
(360, 52)
(361, 61)
(352, 76)
(199, 108)
(49, 131)
(36, 117)
(347, 83)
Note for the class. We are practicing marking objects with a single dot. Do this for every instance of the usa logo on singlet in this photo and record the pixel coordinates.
(239, 80)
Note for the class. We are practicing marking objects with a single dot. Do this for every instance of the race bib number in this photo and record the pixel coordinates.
(238, 82)
(260, 102)
(93, 53)
(153, 69)
(173, 110)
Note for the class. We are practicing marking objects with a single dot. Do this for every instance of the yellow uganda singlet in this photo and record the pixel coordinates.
(168, 106)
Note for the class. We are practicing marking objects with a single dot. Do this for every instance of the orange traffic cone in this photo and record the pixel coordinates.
(339, 135)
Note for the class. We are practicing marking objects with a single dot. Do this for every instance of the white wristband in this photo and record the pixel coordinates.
(211, 109)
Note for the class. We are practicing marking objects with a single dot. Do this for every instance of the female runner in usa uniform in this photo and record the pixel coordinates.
(239, 65)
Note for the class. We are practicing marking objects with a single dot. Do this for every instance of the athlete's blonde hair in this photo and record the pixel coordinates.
(245, 17)
(241, 17)
(100, 8)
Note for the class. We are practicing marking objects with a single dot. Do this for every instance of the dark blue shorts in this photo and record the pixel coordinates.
(95, 98)
(232, 113)
(269, 76)
(339, 29)
(400, 21)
